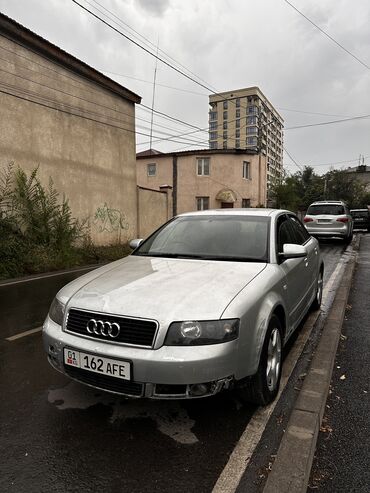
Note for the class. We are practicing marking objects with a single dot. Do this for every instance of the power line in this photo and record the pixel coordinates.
(292, 158)
(95, 103)
(158, 84)
(346, 161)
(24, 95)
(328, 35)
(311, 112)
(142, 47)
(329, 123)
(142, 37)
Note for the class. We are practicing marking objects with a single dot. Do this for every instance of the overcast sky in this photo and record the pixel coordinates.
(226, 45)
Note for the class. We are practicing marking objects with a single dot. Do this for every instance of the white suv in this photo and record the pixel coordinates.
(329, 218)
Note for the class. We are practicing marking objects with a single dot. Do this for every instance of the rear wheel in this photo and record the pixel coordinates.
(262, 387)
(318, 295)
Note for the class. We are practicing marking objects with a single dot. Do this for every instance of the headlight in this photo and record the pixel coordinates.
(193, 333)
(56, 311)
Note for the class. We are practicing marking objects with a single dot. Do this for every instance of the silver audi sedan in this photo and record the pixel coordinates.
(205, 303)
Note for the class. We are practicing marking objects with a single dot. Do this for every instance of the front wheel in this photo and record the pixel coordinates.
(263, 387)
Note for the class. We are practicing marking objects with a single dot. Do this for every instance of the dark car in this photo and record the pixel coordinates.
(361, 218)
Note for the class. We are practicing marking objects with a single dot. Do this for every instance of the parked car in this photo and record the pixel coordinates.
(206, 303)
(329, 219)
(361, 218)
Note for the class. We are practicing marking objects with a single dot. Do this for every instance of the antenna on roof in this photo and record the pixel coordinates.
(154, 81)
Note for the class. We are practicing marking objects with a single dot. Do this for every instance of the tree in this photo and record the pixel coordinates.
(341, 185)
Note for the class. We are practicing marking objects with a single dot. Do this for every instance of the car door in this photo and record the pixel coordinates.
(303, 238)
(296, 274)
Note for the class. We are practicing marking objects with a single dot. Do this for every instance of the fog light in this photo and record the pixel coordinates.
(198, 389)
(51, 350)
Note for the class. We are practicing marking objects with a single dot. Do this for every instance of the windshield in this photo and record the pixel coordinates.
(330, 209)
(243, 238)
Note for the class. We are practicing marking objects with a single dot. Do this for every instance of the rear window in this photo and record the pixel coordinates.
(359, 213)
(330, 209)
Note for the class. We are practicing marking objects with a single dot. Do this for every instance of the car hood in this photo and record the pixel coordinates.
(160, 288)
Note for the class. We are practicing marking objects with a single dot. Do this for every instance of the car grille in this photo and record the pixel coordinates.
(133, 331)
(105, 382)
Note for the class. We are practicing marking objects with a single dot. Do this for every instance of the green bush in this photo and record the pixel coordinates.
(38, 232)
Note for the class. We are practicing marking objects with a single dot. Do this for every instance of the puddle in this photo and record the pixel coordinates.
(171, 418)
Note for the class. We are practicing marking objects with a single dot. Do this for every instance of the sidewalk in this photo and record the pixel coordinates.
(292, 466)
(342, 456)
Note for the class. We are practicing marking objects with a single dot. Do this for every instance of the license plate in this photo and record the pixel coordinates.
(98, 364)
(321, 221)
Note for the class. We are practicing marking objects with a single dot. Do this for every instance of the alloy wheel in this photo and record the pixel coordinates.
(273, 359)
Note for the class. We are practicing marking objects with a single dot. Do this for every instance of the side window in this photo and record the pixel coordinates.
(284, 233)
(300, 232)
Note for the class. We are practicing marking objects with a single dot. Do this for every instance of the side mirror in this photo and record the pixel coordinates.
(135, 243)
(291, 250)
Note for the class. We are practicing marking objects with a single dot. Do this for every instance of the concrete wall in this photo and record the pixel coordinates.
(75, 131)
(225, 173)
(154, 209)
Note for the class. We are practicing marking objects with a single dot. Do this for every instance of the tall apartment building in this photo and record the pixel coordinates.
(245, 119)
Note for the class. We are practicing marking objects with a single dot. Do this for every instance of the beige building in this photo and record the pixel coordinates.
(75, 124)
(362, 174)
(245, 119)
(206, 179)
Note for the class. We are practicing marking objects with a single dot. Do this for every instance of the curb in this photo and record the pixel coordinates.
(292, 466)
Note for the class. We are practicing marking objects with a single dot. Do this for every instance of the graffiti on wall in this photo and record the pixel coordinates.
(110, 220)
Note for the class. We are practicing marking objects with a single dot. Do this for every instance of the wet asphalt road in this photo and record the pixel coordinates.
(57, 435)
(342, 458)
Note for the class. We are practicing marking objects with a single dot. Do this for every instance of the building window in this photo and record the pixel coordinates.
(246, 170)
(252, 110)
(251, 130)
(151, 169)
(213, 126)
(237, 123)
(213, 115)
(213, 135)
(251, 141)
(225, 115)
(251, 120)
(237, 133)
(213, 145)
(202, 203)
(237, 144)
(237, 102)
(237, 113)
(203, 166)
(225, 105)
(225, 134)
(246, 203)
(225, 125)
(224, 145)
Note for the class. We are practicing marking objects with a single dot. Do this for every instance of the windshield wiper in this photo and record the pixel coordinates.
(201, 257)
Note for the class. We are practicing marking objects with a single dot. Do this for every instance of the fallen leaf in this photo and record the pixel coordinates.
(343, 377)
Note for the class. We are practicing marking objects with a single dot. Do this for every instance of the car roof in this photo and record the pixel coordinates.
(235, 212)
(335, 202)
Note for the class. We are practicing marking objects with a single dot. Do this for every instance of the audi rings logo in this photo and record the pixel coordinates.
(103, 328)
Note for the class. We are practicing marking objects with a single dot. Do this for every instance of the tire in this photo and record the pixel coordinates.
(348, 238)
(261, 389)
(318, 294)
